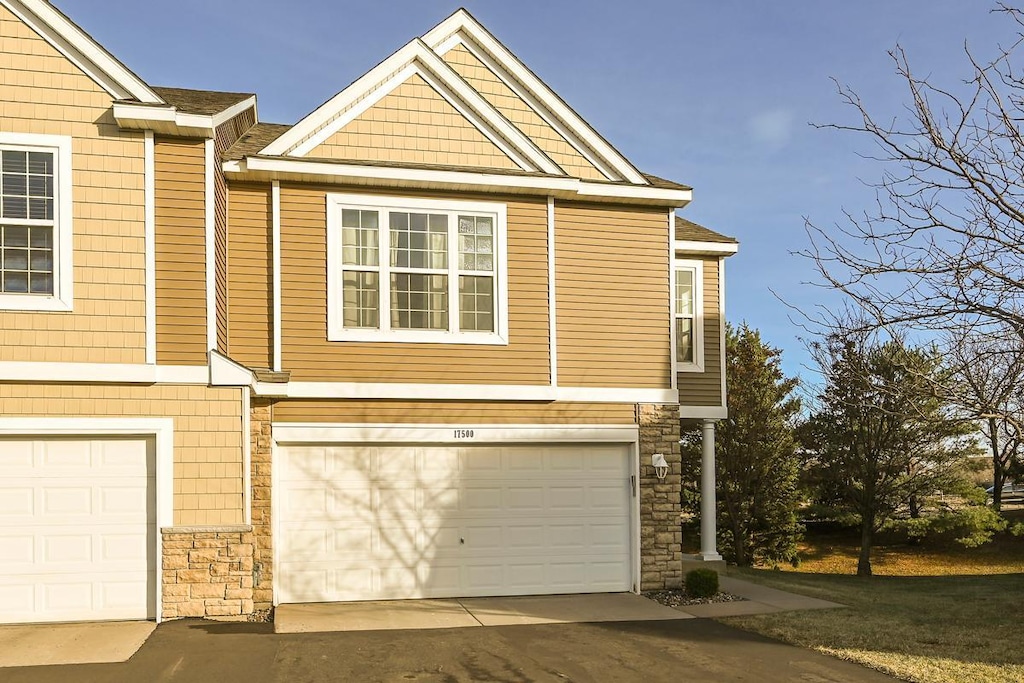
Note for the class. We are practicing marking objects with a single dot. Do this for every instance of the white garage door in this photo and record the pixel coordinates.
(376, 523)
(77, 525)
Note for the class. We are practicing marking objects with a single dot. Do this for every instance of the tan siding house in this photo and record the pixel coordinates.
(431, 341)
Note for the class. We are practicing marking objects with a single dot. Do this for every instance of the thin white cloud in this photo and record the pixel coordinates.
(772, 128)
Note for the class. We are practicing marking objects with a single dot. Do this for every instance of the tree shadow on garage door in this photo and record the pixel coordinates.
(367, 522)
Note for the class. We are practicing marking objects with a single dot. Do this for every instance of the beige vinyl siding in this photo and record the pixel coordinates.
(180, 252)
(525, 118)
(226, 135)
(414, 124)
(207, 435)
(612, 275)
(41, 92)
(310, 357)
(452, 412)
(705, 388)
(250, 283)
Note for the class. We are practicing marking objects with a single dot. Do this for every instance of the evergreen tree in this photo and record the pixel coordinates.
(756, 455)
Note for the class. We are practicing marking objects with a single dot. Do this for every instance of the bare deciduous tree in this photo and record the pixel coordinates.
(944, 243)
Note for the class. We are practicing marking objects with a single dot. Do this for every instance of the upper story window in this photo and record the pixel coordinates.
(416, 270)
(35, 222)
(689, 316)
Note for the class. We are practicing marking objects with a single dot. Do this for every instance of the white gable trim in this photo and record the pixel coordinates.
(415, 57)
(463, 22)
(531, 101)
(82, 50)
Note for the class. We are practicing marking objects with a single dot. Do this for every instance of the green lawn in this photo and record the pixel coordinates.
(917, 628)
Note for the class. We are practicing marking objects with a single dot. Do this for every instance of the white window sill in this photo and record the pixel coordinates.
(689, 367)
(417, 337)
(34, 302)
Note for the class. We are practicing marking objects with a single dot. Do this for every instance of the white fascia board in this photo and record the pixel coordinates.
(280, 168)
(168, 120)
(103, 373)
(703, 412)
(286, 166)
(82, 50)
(709, 248)
(465, 434)
(463, 21)
(671, 197)
(233, 111)
(616, 395)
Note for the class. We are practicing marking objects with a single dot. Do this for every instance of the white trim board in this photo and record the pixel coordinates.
(62, 299)
(150, 241)
(210, 244)
(315, 170)
(465, 392)
(103, 373)
(81, 50)
(285, 432)
(161, 429)
(167, 120)
(711, 248)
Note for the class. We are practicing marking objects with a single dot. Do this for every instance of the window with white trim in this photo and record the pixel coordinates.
(35, 222)
(688, 315)
(417, 270)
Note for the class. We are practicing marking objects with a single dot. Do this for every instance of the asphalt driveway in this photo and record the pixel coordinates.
(685, 650)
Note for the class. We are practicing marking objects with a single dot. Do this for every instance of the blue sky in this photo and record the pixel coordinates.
(718, 95)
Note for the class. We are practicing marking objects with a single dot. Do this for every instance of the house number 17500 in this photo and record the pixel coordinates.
(464, 434)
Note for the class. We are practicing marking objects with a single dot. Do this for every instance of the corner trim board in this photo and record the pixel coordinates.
(211, 236)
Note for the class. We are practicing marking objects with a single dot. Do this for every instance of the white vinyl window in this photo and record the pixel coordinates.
(688, 314)
(416, 270)
(35, 222)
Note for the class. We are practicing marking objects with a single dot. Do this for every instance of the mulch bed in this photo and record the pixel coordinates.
(679, 598)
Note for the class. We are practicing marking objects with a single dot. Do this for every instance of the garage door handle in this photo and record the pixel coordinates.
(462, 541)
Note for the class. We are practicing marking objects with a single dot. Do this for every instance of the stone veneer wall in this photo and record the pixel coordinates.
(661, 537)
(263, 552)
(208, 572)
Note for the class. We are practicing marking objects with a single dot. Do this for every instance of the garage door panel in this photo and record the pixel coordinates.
(77, 529)
(429, 521)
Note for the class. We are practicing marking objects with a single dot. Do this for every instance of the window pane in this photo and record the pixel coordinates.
(476, 303)
(476, 244)
(26, 260)
(419, 240)
(419, 301)
(14, 161)
(684, 292)
(361, 300)
(684, 340)
(15, 282)
(359, 245)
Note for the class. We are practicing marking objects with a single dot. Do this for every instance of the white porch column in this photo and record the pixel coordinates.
(708, 512)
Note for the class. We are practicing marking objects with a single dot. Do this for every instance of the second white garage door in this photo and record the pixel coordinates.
(392, 522)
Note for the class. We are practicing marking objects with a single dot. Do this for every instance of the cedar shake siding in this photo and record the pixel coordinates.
(41, 92)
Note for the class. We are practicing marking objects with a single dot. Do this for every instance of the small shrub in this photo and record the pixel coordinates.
(702, 583)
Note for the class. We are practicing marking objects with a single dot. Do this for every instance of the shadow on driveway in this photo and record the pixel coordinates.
(685, 650)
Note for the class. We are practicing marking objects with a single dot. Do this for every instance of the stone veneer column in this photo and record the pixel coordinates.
(661, 538)
(207, 572)
(263, 550)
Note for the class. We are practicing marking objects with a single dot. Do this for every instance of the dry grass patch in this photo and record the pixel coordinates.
(931, 629)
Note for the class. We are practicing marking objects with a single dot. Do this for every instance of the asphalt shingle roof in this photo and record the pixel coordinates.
(691, 232)
(202, 102)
